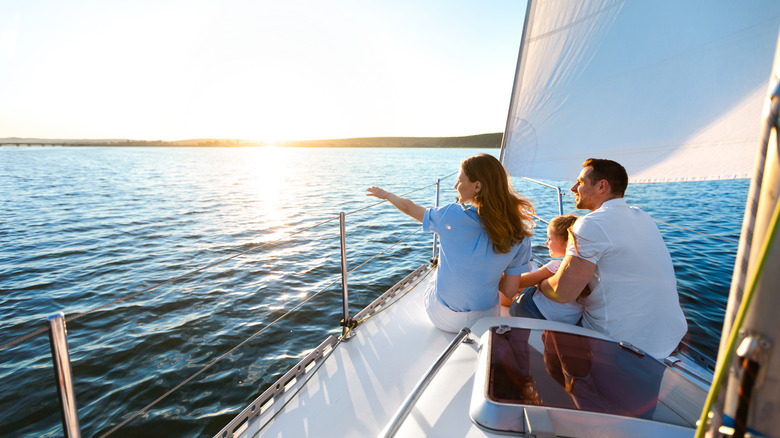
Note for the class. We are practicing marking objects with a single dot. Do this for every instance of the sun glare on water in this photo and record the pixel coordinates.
(272, 174)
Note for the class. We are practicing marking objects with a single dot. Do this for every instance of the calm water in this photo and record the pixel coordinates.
(82, 227)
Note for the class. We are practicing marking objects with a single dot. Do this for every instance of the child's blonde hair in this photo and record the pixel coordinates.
(562, 224)
(561, 227)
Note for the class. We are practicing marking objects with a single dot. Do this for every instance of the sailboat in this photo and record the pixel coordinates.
(674, 91)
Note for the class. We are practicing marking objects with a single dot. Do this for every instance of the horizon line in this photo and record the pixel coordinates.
(90, 139)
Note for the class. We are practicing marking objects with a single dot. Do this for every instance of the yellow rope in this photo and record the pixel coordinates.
(722, 367)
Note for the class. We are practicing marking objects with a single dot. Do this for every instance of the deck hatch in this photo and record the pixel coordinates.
(554, 370)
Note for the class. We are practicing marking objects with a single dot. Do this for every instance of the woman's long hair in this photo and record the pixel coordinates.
(506, 216)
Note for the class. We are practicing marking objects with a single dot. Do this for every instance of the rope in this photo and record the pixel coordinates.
(723, 365)
(212, 363)
(254, 248)
(671, 225)
(23, 338)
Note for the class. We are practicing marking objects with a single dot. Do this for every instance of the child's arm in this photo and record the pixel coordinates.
(535, 277)
(522, 281)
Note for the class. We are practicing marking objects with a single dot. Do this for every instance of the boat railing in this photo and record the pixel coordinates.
(559, 192)
(311, 363)
(57, 322)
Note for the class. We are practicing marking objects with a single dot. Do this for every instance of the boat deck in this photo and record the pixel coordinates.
(362, 383)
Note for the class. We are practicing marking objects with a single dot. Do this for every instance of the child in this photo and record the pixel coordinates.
(531, 302)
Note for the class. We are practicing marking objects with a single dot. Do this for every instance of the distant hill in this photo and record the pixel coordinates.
(471, 141)
(16, 141)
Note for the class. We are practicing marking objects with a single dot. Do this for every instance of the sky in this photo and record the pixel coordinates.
(256, 69)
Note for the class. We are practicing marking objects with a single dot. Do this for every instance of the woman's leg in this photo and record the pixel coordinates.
(523, 305)
(440, 315)
(449, 320)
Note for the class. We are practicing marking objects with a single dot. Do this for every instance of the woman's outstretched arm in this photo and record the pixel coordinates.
(403, 204)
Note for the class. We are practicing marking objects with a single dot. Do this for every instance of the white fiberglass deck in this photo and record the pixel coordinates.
(365, 380)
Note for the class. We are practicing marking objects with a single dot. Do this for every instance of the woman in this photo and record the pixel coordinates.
(479, 243)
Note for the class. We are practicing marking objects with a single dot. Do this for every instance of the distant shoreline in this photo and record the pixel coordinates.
(492, 140)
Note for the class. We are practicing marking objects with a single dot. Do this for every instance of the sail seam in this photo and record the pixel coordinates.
(576, 22)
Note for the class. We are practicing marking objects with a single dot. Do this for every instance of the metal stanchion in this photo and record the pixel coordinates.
(346, 323)
(62, 375)
(435, 255)
(560, 201)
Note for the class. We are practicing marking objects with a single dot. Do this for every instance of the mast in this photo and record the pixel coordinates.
(748, 363)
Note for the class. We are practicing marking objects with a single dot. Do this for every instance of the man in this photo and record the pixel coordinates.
(619, 252)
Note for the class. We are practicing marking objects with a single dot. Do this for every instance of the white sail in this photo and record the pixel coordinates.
(606, 79)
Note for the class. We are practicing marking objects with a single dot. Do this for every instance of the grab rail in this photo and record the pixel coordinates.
(406, 407)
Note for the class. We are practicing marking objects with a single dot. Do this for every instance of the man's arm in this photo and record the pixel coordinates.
(567, 284)
(403, 204)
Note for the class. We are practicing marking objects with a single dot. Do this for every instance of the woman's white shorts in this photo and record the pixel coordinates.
(447, 319)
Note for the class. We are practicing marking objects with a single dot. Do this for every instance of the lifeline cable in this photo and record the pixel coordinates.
(322, 362)
(212, 363)
(571, 195)
(45, 329)
(171, 280)
(698, 232)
